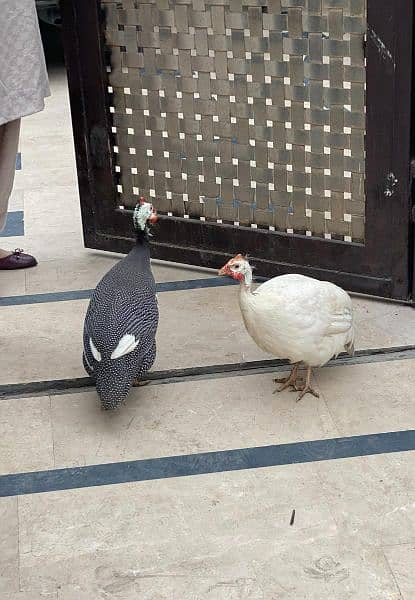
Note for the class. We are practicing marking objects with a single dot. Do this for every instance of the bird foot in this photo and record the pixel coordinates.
(288, 382)
(139, 383)
(306, 389)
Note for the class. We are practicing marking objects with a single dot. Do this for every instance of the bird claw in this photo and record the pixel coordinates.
(295, 388)
(287, 382)
(306, 389)
(282, 379)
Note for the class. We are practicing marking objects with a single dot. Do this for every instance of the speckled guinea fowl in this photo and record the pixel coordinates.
(122, 318)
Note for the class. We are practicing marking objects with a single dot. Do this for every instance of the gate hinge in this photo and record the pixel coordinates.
(390, 184)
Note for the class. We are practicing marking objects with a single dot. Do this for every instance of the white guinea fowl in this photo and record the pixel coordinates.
(294, 317)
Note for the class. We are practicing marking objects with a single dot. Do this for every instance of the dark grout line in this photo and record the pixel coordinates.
(65, 296)
(206, 462)
(69, 386)
(44, 298)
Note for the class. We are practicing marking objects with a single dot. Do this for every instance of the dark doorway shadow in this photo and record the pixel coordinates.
(52, 44)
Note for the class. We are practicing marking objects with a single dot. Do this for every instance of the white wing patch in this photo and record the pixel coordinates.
(127, 344)
(95, 353)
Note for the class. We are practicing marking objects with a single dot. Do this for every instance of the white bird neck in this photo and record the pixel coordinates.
(246, 297)
(246, 283)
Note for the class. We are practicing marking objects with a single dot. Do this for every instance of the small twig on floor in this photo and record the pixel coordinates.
(292, 517)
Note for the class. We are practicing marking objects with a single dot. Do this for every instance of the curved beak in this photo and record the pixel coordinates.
(225, 270)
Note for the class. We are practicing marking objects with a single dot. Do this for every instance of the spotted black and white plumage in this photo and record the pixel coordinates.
(121, 324)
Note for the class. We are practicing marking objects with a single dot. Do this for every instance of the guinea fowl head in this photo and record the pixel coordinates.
(115, 369)
(238, 268)
(144, 215)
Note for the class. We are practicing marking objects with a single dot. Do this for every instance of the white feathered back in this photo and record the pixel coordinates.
(299, 318)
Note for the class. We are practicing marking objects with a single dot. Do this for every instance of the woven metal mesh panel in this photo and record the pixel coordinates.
(249, 112)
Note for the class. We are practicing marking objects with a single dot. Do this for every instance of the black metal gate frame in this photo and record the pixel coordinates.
(383, 266)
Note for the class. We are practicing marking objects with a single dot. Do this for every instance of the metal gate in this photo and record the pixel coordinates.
(280, 128)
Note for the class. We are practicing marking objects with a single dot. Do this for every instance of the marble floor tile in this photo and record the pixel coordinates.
(26, 442)
(401, 559)
(9, 546)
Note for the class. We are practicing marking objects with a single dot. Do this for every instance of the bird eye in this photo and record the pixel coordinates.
(236, 266)
(95, 353)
